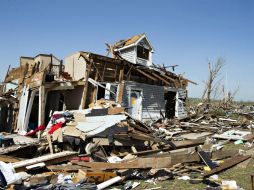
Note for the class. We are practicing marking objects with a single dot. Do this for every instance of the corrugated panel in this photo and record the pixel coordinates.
(96, 124)
(128, 54)
(152, 99)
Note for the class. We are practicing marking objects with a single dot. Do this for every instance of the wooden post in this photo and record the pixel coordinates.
(50, 144)
(120, 87)
(95, 88)
(104, 68)
(42, 97)
(84, 95)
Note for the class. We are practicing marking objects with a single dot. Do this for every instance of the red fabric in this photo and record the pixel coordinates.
(33, 132)
(82, 158)
(55, 127)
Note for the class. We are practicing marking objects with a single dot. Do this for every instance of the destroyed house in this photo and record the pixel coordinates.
(43, 84)
(30, 92)
(132, 81)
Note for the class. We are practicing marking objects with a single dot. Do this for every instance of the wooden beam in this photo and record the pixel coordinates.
(97, 71)
(129, 73)
(168, 77)
(42, 102)
(157, 162)
(47, 159)
(147, 75)
(227, 164)
(190, 81)
(9, 159)
(159, 77)
(66, 168)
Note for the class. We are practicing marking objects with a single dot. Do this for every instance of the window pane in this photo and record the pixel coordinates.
(142, 52)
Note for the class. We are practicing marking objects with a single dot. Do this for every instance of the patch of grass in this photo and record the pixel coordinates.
(240, 175)
(172, 184)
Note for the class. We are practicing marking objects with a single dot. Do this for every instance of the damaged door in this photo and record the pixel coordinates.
(136, 104)
(170, 98)
(181, 111)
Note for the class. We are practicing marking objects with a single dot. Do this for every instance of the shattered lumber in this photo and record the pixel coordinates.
(227, 164)
(47, 159)
(138, 163)
(9, 159)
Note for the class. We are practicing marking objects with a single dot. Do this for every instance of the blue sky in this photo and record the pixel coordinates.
(189, 33)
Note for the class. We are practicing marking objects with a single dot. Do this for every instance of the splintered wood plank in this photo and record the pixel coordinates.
(9, 159)
(161, 78)
(42, 104)
(156, 162)
(116, 110)
(227, 164)
(50, 144)
(47, 159)
(146, 74)
(66, 168)
(120, 87)
(94, 88)
(138, 127)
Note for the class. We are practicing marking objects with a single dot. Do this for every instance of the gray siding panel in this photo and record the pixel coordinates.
(152, 100)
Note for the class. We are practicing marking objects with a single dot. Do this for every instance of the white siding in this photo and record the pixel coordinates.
(128, 54)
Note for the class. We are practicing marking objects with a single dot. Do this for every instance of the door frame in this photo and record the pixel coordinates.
(129, 101)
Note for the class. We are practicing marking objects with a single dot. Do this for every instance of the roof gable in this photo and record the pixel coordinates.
(123, 44)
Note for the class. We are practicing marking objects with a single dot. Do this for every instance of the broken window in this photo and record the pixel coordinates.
(142, 52)
(102, 93)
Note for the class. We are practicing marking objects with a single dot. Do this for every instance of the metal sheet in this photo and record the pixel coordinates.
(96, 124)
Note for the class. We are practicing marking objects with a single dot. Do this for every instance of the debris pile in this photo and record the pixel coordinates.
(99, 147)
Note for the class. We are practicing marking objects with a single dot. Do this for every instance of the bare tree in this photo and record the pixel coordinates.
(229, 97)
(210, 84)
